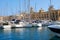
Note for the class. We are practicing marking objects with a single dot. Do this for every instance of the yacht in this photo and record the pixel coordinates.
(6, 25)
(55, 28)
(47, 22)
(34, 24)
(21, 24)
(28, 24)
(37, 23)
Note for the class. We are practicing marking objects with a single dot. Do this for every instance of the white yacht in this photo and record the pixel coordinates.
(28, 24)
(6, 25)
(37, 23)
(55, 28)
(34, 24)
(22, 24)
(46, 22)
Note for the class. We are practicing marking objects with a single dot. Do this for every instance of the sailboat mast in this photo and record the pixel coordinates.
(35, 5)
(50, 3)
(25, 6)
(29, 10)
(28, 6)
(19, 6)
(50, 10)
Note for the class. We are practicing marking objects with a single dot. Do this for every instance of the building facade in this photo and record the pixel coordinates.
(51, 14)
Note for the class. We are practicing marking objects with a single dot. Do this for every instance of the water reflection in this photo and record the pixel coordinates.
(40, 28)
(5, 34)
(55, 38)
(26, 34)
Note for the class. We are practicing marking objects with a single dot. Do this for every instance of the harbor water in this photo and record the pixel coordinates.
(40, 33)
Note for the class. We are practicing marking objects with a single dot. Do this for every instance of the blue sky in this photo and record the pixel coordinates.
(12, 7)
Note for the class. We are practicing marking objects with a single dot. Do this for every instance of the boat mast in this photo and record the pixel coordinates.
(50, 3)
(24, 9)
(29, 10)
(29, 6)
(51, 7)
(50, 11)
(35, 6)
(25, 6)
(7, 11)
(19, 6)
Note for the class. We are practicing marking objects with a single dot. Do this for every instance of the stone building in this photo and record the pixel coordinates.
(1, 18)
(41, 15)
(51, 14)
(54, 14)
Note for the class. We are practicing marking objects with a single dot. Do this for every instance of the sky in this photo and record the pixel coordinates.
(12, 7)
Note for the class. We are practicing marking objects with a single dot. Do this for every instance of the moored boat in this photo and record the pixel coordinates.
(6, 25)
(37, 23)
(55, 28)
(21, 24)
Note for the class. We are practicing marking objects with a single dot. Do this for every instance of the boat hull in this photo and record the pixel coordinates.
(34, 25)
(39, 24)
(28, 25)
(1, 27)
(22, 26)
(17, 26)
(7, 26)
(55, 30)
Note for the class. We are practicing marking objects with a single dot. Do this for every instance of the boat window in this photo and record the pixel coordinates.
(16, 22)
(13, 19)
(5, 23)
